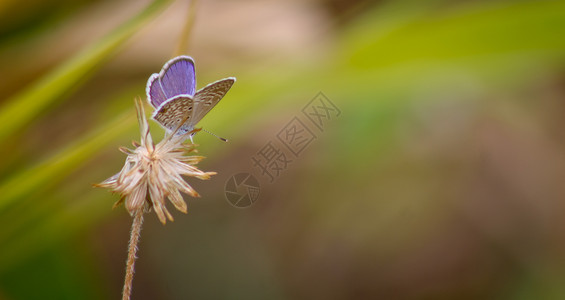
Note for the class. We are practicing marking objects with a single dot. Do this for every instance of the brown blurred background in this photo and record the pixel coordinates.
(441, 178)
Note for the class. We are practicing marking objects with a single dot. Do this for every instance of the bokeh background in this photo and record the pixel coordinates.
(443, 177)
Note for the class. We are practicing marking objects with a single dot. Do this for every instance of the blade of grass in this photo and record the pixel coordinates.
(25, 106)
(182, 47)
(27, 181)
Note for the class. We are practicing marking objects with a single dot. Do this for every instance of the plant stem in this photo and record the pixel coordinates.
(182, 46)
(132, 251)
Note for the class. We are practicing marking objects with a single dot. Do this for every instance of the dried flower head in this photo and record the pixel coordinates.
(153, 173)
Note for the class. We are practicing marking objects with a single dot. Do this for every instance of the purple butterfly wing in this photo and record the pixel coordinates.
(179, 77)
(176, 78)
(155, 94)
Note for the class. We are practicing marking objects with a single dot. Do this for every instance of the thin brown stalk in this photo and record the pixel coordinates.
(182, 46)
(132, 251)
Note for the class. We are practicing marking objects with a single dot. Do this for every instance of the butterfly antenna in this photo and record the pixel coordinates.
(221, 138)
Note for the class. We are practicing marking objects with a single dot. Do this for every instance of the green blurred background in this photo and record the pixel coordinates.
(443, 177)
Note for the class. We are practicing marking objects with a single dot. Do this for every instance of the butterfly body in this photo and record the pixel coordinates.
(172, 92)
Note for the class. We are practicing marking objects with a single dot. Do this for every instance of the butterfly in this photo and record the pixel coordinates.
(172, 92)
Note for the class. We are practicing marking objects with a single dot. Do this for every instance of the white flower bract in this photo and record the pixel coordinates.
(153, 173)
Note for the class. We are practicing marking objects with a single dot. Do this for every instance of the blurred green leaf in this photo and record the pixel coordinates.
(50, 171)
(25, 106)
(472, 30)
